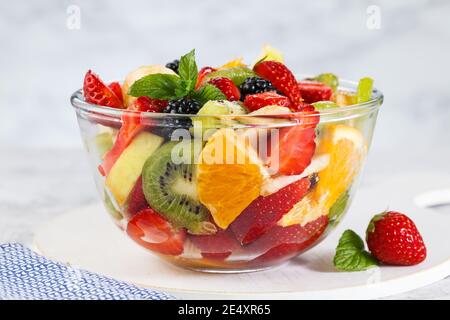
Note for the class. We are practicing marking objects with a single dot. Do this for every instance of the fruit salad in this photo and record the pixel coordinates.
(237, 167)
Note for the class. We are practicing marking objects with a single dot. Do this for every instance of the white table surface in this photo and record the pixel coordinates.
(37, 185)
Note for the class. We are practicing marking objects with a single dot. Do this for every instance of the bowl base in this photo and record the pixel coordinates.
(237, 270)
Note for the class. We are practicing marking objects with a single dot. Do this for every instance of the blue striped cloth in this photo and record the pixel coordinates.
(27, 275)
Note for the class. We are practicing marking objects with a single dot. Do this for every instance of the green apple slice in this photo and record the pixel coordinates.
(128, 167)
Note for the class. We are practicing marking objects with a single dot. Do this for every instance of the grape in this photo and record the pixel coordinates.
(364, 92)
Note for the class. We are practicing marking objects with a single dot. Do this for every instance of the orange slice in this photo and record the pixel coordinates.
(346, 148)
(238, 62)
(229, 176)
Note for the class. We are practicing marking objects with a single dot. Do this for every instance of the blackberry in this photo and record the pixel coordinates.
(173, 65)
(179, 106)
(254, 85)
(183, 106)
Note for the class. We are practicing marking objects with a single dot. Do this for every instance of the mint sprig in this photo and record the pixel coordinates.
(158, 86)
(169, 86)
(188, 71)
(350, 254)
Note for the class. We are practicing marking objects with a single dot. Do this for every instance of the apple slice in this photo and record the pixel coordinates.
(128, 167)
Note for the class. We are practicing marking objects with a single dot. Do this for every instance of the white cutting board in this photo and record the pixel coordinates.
(87, 238)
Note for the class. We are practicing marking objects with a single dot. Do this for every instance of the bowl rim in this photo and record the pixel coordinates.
(377, 98)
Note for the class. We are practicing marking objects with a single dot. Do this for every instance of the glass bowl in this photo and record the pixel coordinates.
(227, 193)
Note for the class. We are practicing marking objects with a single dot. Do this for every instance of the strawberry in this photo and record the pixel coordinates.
(202, 74)
(146, 104)
(131, 126)
(296, 145)
(218, 246)
(264, 212)
(136, 200)
(96, 92)
(282, 79)
(259, 100)
(282, 243)
(153, 232)
(393, 239)
(314, 91)
(228, 88)
(117, 89)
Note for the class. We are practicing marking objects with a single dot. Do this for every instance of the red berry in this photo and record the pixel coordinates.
(282, 243)
(153, 232)
(228, 88)
(136, 200)
(264, 212)
(117, 89)
(296, 145)
(146, 104)
(313, 91)
(202, 74)
(282, 79)
(218, 246)
(393, 239)
(96, 92)
(259, 100)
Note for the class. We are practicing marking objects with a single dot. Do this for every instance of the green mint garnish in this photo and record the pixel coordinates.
(158, 86)
(207, 93)
(329, 79)
(350, 254)
(338, 207)
(169, 86)
(364, 91)
(188, 71)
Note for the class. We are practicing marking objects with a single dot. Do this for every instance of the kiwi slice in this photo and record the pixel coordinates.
(236, 74)
(170, 187)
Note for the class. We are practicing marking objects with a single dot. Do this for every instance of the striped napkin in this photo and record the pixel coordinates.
(27, 275)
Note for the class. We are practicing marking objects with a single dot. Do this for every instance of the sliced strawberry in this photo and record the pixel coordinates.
(259, 100)
(282, 243)
(96, 92)
(282, 79)
(117, 89)
(202, 74)
(131, 126)
(296, 145)
(264, 212)
(153, 232)
(136, 200)
(228, 88)
(218, 246)
(313, 91)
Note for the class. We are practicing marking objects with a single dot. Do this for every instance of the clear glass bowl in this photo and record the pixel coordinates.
(183, 206)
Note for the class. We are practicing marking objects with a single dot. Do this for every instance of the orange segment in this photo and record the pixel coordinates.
(229, 176)
(346, 148)
(238, 62)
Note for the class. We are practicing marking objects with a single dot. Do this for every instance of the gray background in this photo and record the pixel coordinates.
(42, 61)
(43, 169)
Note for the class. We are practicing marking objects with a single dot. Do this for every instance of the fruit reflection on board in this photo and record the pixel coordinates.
(260, 174)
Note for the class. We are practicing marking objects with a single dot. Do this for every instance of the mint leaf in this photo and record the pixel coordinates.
(206, 93)
(158, 86)
(350, 254)
(187, 69)
(338, 207)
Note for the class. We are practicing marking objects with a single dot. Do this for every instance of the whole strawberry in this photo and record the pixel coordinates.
(393, 239)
